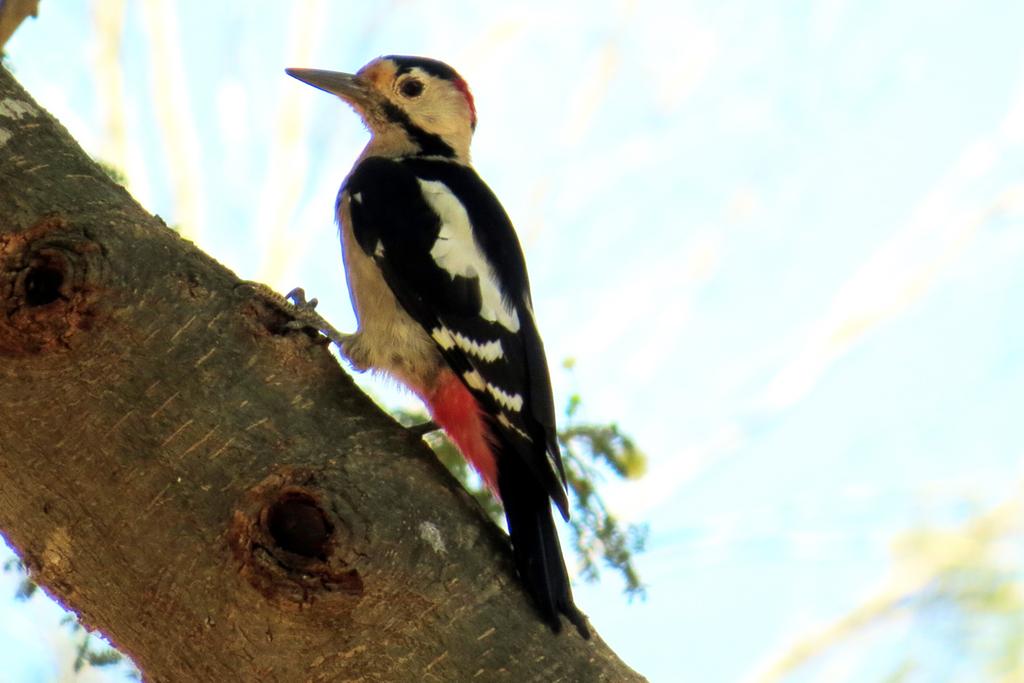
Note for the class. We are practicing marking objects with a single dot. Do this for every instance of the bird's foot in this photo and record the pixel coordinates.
(302, 312)
(305, 317)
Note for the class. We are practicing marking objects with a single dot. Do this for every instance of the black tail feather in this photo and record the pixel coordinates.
(535, 547)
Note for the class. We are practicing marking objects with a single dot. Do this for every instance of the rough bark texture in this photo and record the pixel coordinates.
(210, 490)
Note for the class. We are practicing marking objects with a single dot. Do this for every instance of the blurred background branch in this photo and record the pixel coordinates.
(962, 586)
(12, 13)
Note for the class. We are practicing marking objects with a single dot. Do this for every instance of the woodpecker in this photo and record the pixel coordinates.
(441, 295)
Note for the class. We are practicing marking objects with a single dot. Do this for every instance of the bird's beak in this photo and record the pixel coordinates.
(348, 87)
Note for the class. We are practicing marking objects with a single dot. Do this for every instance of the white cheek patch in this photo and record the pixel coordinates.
(457, 252)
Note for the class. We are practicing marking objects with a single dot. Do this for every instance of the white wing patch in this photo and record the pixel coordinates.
(443, 338)
(474, 379)
(553, 464)
(514, 402)
(507, 424)
(457, 252)
(489, 351)
(510, 401)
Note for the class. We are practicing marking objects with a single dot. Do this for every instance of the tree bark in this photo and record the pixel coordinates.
(208, 488)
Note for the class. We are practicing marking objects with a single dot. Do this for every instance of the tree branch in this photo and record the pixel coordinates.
(210, 489)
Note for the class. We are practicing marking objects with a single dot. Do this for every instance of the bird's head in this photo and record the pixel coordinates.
(412, 105)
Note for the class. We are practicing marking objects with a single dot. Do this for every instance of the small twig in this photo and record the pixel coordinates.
(423, 428)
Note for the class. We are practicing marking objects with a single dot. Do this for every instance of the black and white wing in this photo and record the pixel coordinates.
(448, 251)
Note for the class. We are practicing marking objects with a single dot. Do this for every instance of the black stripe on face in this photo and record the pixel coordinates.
(431, 66)
(429, 143)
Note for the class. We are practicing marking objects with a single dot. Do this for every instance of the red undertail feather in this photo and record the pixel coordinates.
(456, 411)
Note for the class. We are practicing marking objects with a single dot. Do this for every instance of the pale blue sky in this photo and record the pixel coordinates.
(783, 241)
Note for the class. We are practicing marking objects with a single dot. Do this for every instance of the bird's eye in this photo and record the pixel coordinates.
(411, 87)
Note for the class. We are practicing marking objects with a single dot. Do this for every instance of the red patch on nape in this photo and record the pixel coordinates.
(456, 411)
(464, 89)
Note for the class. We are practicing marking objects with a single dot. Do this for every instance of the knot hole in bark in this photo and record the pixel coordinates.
(299, 526)
(287, 542)
(49, 276)
(43, 281)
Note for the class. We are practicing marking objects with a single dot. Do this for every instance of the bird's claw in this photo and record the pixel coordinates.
(302, 312)
(297, 297)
